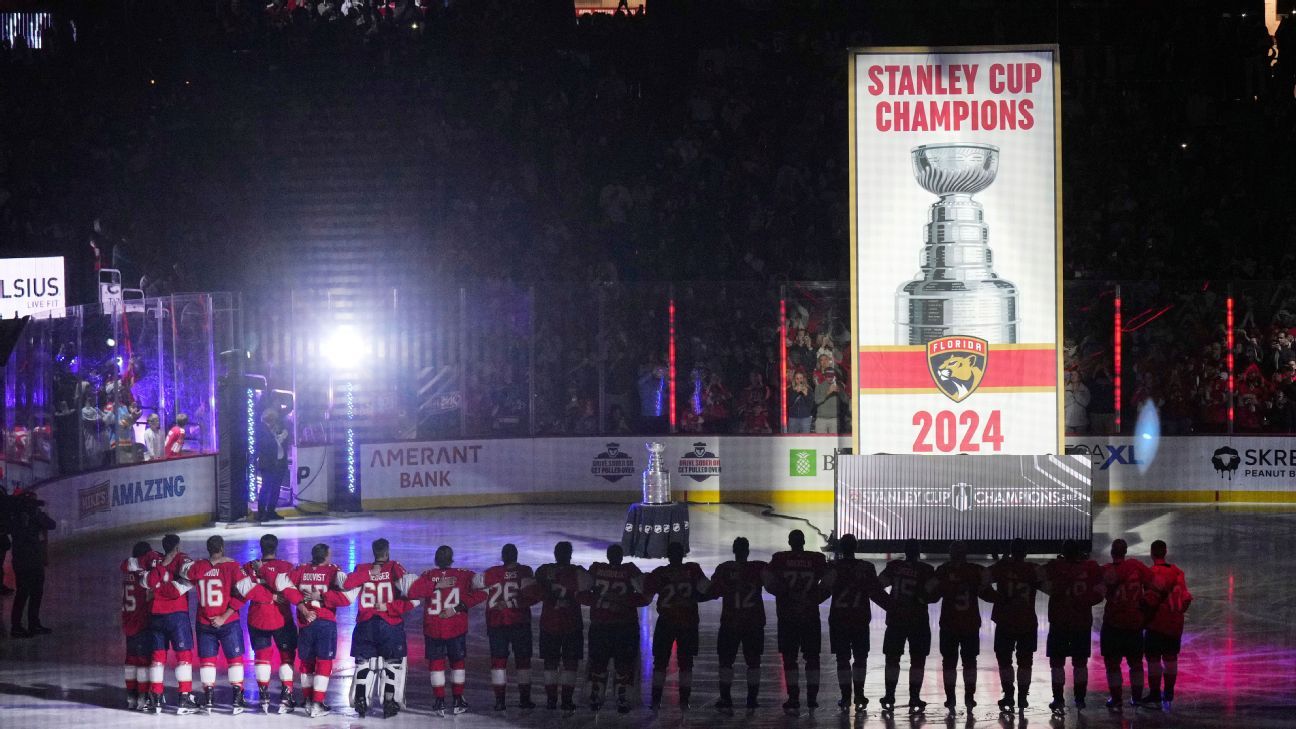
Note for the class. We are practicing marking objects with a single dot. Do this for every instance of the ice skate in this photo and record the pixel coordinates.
(187, 704)
(238, 704)
(460, 706)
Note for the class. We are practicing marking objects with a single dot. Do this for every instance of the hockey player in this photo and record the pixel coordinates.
(170, 625)
(135, 622)
(1168, 598)
(1125, 581)
(219, 630)
(320, 585)
(379, 630)
(1016, 626)
(510, 592)
(852, 583)
(272, 627)
(616, 592)
(739, 583)
(958, 584)
(447, 594)
(562, 635)
(1074, 586)
(793, 579)
(678, 587)
(907, 622)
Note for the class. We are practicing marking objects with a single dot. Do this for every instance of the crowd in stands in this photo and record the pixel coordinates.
(709, 148)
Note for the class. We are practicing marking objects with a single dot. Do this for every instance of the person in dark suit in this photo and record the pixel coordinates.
(29, 529)
(271, 463)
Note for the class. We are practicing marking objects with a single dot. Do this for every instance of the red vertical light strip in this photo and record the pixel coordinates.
(783, 364)
(1228, 336)
(671, 363)
(1116, 358)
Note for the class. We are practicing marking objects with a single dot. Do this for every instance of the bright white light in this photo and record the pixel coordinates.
(344, 348)
(111, 342)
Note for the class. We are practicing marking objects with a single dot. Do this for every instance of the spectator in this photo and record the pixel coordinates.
(827, 370)
(755, 407)
(124, 442)
(715, 409)
(829, 400)
(652, 399)
(692, 420)
(271, 463)
(153, 439)
(1281, 414)
(174, 446)
(1076, 402)
(617, 420)
(1280, 352)
(801, 353)
(800, 404)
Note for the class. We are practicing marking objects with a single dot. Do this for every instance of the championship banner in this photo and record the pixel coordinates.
(956, 250)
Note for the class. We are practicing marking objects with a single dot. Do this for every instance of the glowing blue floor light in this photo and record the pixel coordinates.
(343, 349)
(350, 438)
(253, 480)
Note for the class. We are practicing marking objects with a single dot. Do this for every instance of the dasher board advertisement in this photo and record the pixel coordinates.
(956, 250)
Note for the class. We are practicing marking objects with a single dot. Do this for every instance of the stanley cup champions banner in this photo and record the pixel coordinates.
(956, 250)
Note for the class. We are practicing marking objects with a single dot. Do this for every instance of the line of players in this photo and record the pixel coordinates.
(292, 608)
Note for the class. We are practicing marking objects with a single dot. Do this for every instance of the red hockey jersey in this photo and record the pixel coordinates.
(1015, 586)
(215, 584)
(1073, 589)
(272, 614)
(1125, 582)
(560, 586)
(616, 593)
(1168, 597)
(679, 588)
(740, 585)
(852, 584)
(959, 586)
(321, 589)
(793, 579)
(909, 597)
(378, 598)
(510, 592)
(175, 600)
(135, 593)
(443, 590)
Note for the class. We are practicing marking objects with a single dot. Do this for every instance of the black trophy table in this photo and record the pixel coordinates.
(650, 527)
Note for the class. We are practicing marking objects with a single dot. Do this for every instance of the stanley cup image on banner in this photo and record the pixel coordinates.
(956, 250)
(957, 291)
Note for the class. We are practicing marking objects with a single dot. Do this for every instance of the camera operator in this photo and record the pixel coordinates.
(29, 527)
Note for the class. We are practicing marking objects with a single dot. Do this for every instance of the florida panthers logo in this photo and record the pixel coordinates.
(957, 365)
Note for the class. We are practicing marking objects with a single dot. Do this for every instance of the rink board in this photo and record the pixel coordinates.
(1191, 469)
(794, 470)
(143, 498)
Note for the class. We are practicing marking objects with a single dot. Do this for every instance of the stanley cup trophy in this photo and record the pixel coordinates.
(656, 479)
(956, 291)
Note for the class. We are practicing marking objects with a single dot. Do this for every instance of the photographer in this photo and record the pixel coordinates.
(29, 527)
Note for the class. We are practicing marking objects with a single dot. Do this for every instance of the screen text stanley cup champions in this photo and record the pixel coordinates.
(956, 251)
